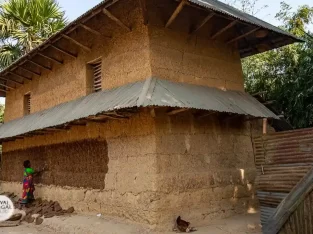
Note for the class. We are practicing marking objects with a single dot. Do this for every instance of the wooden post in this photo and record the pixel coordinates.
(264, 126)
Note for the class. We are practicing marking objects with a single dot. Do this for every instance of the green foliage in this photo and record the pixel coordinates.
(24, 24)
(1, 113)
(286, 74)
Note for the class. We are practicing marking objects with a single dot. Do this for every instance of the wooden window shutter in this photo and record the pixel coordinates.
(97, 75)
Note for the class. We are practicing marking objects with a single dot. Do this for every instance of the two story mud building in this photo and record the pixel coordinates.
(138, 109)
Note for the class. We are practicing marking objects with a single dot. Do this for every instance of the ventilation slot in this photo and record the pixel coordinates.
(27, 104)
(97, 76)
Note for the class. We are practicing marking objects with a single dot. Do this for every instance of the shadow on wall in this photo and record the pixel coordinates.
(77, 164)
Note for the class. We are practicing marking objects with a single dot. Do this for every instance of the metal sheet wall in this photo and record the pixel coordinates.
(282, 160)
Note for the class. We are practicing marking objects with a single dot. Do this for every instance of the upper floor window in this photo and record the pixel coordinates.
(27, 103)
(96, 75)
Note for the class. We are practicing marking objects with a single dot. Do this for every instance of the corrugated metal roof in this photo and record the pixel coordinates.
(240, 15)
(152, 92)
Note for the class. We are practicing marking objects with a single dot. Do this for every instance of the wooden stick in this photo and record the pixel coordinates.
(7, 86)
(242, 36)
(90, 29)
(205, 115)
(76, 42)
(39, 65)
(116, 20)
(175, 13)
(14, 81)
(63, 51)
(3, 90)
(174, 112)
(231, 24)
(207, 19)
(50, 58)
(23, 77)
(30, 71)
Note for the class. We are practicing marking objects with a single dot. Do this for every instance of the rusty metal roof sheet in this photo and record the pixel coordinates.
(152, 92)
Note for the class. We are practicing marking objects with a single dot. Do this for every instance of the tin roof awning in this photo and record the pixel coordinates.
(151, 92)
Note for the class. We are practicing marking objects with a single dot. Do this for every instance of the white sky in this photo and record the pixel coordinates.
(267, 14)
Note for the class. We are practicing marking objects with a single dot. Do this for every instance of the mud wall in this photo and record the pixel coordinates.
(125, 58)
(177, 56)
(205, 167)
(157, 168)
(78, 164)
(129, 187)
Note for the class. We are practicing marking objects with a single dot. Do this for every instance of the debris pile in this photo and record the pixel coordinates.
(43, 208)
(38, 209)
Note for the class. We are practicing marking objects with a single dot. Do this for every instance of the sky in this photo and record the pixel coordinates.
(75, 8)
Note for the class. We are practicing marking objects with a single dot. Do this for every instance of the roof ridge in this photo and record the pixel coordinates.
(147, 90)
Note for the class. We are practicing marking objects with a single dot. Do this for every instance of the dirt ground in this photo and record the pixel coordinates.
(26, 228)
(91, 224)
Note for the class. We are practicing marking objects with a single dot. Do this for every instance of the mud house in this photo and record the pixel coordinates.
(139, 111)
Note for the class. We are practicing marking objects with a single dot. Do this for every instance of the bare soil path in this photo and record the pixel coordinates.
(91, 224)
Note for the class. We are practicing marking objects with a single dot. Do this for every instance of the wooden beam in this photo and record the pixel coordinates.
(23, 77)
(104, 116)
(6, 86)
(57, 129)
(174, 112)
(144, 10)
(78, 123)
(63, 51)
(242, 36)
(50, 58)
(204, 115)
(30, 71)
(115, 114)
(203, 22)
(116, 20)
(3, 90)
(175, 13)
(76, 42)
(39, 65)
(228, 26)
(14, 81)
(90, 29)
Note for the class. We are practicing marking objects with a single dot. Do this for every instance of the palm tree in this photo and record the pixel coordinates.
(24, 24)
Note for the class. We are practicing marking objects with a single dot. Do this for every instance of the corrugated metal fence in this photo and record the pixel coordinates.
(282, 160)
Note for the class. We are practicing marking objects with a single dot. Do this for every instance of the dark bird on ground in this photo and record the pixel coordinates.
(182, 225)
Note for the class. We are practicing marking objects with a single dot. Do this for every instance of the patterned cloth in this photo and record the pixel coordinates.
(28, 186)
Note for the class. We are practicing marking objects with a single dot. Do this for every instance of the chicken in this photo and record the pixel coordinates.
(182, 225)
